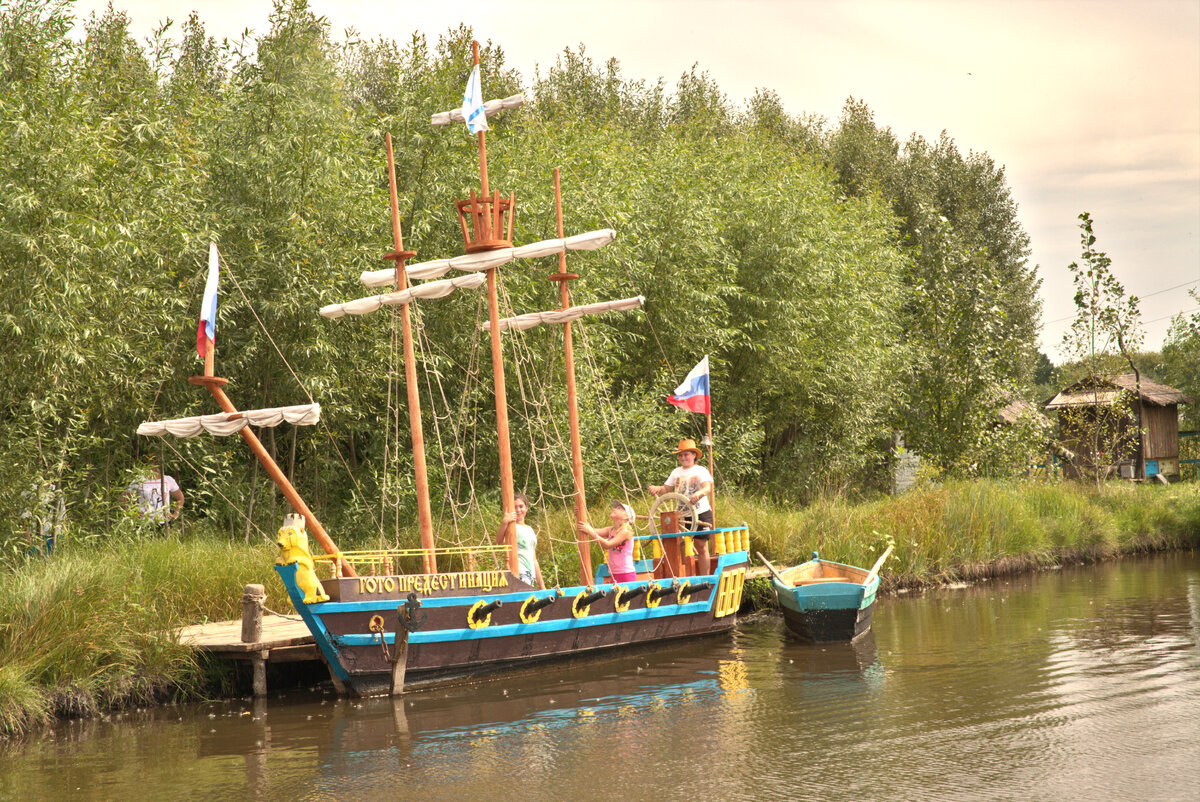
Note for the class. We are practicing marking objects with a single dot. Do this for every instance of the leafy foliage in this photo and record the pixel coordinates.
(842, 287)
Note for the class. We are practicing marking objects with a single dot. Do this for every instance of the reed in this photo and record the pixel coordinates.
(977, 528)
(91, 626)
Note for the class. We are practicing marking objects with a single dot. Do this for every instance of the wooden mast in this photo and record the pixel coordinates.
(564, 292)
(485, 234)
(214, 383)
(399, 255)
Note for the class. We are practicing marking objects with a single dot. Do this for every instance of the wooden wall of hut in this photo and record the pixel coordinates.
(1161, 441)
(1162, 431)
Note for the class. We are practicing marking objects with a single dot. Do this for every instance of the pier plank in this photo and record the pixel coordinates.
(225, 637)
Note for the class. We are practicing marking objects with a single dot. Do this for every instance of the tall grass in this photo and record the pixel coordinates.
(91, 626)
(969, 529)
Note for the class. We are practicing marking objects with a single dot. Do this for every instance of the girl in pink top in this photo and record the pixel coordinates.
(618, 539)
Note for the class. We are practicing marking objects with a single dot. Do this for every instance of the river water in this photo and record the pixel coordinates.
(1080, 684)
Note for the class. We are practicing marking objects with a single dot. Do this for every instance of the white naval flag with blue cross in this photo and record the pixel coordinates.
(472, 106)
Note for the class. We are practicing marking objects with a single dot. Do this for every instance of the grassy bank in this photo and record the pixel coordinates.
(89, 627)
(974, 529)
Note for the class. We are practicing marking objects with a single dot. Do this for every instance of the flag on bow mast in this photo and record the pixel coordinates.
(207, 330)
(472, 105)
(693, 394)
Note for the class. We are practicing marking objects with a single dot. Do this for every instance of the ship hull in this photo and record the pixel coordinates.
(450, 641)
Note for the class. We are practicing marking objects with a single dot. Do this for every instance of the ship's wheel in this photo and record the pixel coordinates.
(673, 502)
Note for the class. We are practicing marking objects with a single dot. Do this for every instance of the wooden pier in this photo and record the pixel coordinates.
(283, 641)
(256, 638)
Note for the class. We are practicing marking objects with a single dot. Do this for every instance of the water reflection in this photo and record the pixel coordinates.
(1079, 684)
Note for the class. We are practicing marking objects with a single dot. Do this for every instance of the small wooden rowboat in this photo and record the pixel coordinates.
(827, 601)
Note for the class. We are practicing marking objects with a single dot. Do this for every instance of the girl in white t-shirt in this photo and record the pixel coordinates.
(529, 570)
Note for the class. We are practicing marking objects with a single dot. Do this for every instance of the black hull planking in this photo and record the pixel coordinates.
(829, 625)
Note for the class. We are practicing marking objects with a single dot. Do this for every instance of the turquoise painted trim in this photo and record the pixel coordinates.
(505, 630)
(827, 595)
(465, 602)
(315, 625)
(692, 534)
(446, 601)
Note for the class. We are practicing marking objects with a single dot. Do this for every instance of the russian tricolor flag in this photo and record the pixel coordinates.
(207, 329)
(692, 395)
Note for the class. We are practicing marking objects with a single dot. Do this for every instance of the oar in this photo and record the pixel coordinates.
(878, 565)
(771, 568)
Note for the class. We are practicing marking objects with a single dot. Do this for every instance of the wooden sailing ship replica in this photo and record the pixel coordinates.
(381, 629)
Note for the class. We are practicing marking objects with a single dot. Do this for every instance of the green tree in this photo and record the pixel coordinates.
(1105, 321)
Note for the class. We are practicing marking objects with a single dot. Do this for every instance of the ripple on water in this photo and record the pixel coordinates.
(1083, 684)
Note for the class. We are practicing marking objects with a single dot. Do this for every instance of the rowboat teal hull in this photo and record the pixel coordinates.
(827, 611)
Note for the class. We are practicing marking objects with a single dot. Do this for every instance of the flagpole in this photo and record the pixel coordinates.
(483, 175)
(712, 491)
(484, 232)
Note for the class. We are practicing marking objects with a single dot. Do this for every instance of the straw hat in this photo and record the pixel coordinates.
(689, 445)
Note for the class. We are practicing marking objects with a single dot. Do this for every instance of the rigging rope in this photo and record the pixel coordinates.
(200, 472)
(325, 427)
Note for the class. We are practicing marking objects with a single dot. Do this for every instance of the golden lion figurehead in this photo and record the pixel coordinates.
(293, 548)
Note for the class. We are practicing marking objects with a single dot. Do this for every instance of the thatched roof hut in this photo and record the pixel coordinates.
(1016, 410)
(1082, 405)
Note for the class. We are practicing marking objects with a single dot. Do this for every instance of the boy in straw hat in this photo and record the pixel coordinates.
(694, 481)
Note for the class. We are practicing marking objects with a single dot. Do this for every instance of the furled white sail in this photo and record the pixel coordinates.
(528, 321)
(588, 241)
(224, 424)
(428, 290)
(490, 108)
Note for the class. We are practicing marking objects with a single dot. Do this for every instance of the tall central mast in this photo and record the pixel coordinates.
(490, 229)
(424, 515)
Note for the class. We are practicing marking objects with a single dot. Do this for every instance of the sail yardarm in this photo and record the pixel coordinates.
(588, 241)
(429, 291)
(528, 321)
(490, 108)
(224, 424)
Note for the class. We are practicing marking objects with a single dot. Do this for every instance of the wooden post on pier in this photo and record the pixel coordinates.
(253, 599)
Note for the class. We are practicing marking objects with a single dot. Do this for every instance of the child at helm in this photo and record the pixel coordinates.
(694, 481)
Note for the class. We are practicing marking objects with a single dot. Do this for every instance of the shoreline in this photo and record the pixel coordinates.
(760, 598)
(96, 596)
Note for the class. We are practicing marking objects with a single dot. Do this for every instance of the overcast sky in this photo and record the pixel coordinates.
(1089, 106)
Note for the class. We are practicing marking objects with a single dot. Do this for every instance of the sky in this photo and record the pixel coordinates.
(1088, 105)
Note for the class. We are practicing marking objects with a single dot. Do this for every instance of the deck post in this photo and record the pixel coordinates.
(399, 661)
(253, 599)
